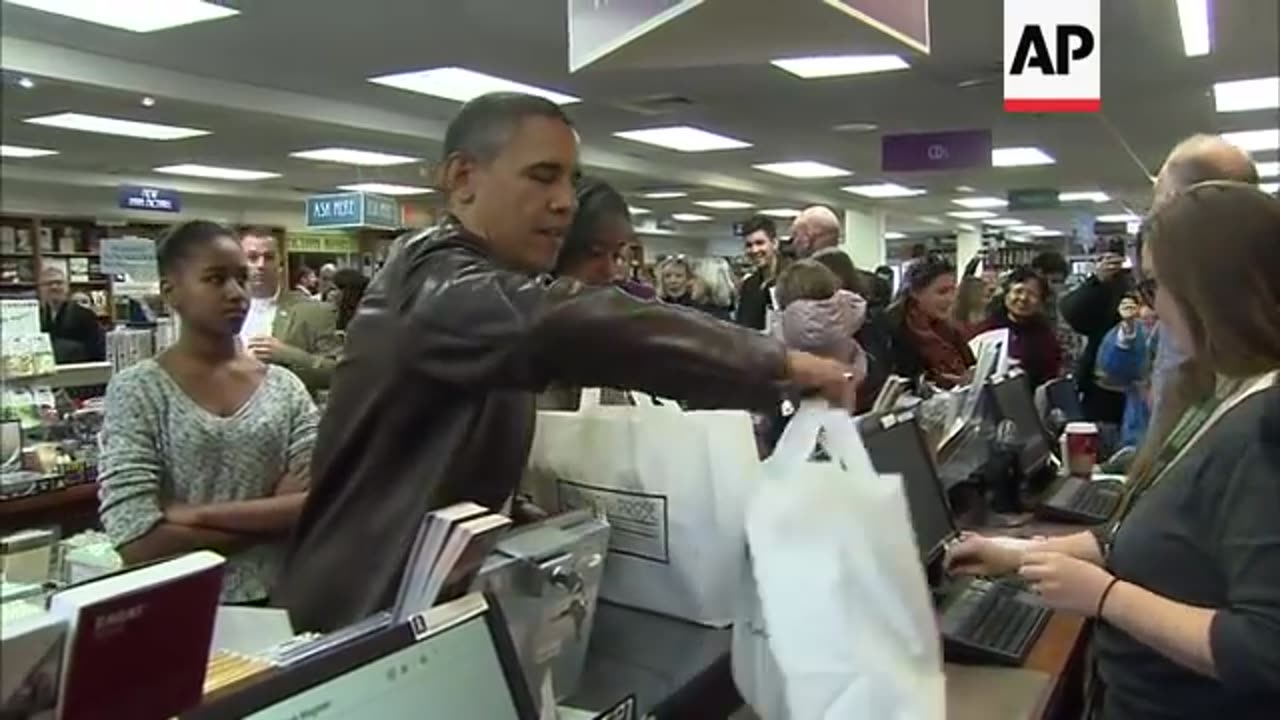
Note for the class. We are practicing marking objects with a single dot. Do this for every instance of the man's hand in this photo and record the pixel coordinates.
(266, 348)
(1064, 582)
(835, 380)
(1109, 266)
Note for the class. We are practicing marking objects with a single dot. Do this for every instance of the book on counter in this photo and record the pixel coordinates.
(448, 551)
(31, 651)
(138, 640)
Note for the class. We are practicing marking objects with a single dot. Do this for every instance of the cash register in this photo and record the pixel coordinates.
(1069, 499)
(453, 661)
(981, 620)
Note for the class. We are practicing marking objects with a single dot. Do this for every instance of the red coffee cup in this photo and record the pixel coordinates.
(1082, 448)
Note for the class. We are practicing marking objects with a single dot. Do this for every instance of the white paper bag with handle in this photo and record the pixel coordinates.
(845, 603)
(674, 486)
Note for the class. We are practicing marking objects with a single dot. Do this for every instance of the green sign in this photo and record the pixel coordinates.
(353, 209)
(1033, 199)
(328, 243)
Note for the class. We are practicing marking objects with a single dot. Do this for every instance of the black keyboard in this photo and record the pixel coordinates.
(992, 622)
(1082, 501)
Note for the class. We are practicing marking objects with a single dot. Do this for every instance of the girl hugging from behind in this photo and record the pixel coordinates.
(815, 315)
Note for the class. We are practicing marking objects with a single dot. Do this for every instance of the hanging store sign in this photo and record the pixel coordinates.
(352, 210)
(137, 197)
(1033, 199)
(953, 150)
(904, 20)
(598, 27)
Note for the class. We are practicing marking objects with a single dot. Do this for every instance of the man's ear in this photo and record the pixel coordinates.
(166, 291)
(457, 177)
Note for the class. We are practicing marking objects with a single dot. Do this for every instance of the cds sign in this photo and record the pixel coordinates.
(1052, 56)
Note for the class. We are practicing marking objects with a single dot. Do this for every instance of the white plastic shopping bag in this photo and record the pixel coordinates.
(673, 485)
(845, 604)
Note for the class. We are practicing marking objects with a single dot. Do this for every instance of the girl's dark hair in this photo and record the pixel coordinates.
(806, 280)
(597, 200)
(924, 271)
(177, 243)
(839, 262)
(352, 283)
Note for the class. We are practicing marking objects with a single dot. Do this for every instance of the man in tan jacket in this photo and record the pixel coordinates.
(284, 327)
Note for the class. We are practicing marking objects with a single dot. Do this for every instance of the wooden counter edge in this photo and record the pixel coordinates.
(1061, 642)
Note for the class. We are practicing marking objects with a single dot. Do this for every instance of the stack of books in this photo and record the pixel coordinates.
(451, 545)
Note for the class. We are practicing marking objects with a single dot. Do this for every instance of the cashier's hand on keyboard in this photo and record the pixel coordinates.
(834, 380)
(975, 554)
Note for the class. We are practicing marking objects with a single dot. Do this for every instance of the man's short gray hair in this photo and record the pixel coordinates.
(1201, 158)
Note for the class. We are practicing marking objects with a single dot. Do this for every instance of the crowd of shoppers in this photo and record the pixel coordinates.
(534, 279)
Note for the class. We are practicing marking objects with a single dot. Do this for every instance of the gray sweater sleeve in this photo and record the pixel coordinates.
(130, 466)
(1245, 634)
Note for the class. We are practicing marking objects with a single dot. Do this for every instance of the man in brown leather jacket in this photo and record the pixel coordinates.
(433, 400)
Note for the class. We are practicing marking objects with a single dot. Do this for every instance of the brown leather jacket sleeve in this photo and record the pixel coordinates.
(484, 326)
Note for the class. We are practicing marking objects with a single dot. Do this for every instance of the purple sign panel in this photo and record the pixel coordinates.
(952, 150)
(906, 20)
(598, 27)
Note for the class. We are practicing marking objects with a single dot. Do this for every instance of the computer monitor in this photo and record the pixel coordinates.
(453, 661)
(897, 445)
(1013, 401)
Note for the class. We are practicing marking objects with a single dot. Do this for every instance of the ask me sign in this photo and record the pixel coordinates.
(1052, 56)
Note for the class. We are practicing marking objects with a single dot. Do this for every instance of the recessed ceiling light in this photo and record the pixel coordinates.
(965, 189)
(1270, 188)
(147, 101)
(1020, 157)
(461, 85)
(781, 212)
(690, 217)
(133, 15)
(981, 203)
(26, 83)
(1254, 140)
(839, 65)
(116, 126)
(638, 210)
(1002, 222)
(1268, 169)
(1193, 18)
(1047, 233)
(894, 236)
(682, 138)
(971, 214)
(881, 191)
(350, 156)
(1025, 228)
(805, 169)
(216, 173)
(931, 220)
(724, 204)
(855, 127)
(1118, 218)
(387, 188)
(18, 151)
(1083, 196)
(664, 194)
(1241, 95)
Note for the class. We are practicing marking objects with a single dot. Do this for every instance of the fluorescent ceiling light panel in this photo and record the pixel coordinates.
(880, 191)
(724, 204)
(116, 126)
(664, 194)
(1047, 233)
(1268, 169)
(1242, 95)
(638, 210)
(781, 212)
(682, 138)
(350, 156)
(133, 15)
(1020, 157)
(387, 188)
(981, 203)
(839, 65)
(1118, 217)
(691, 217)
(215, 173)
(804, 169)
(1193, 18)
(1254, 140)
(18, 151)
(1002, 222)
(1026, 228)
(1083, 196)
(971, 214)
(461, 85)
(894, 236)
(1270, 188)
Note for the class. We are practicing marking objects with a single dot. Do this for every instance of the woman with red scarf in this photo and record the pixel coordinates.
(925, 339)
